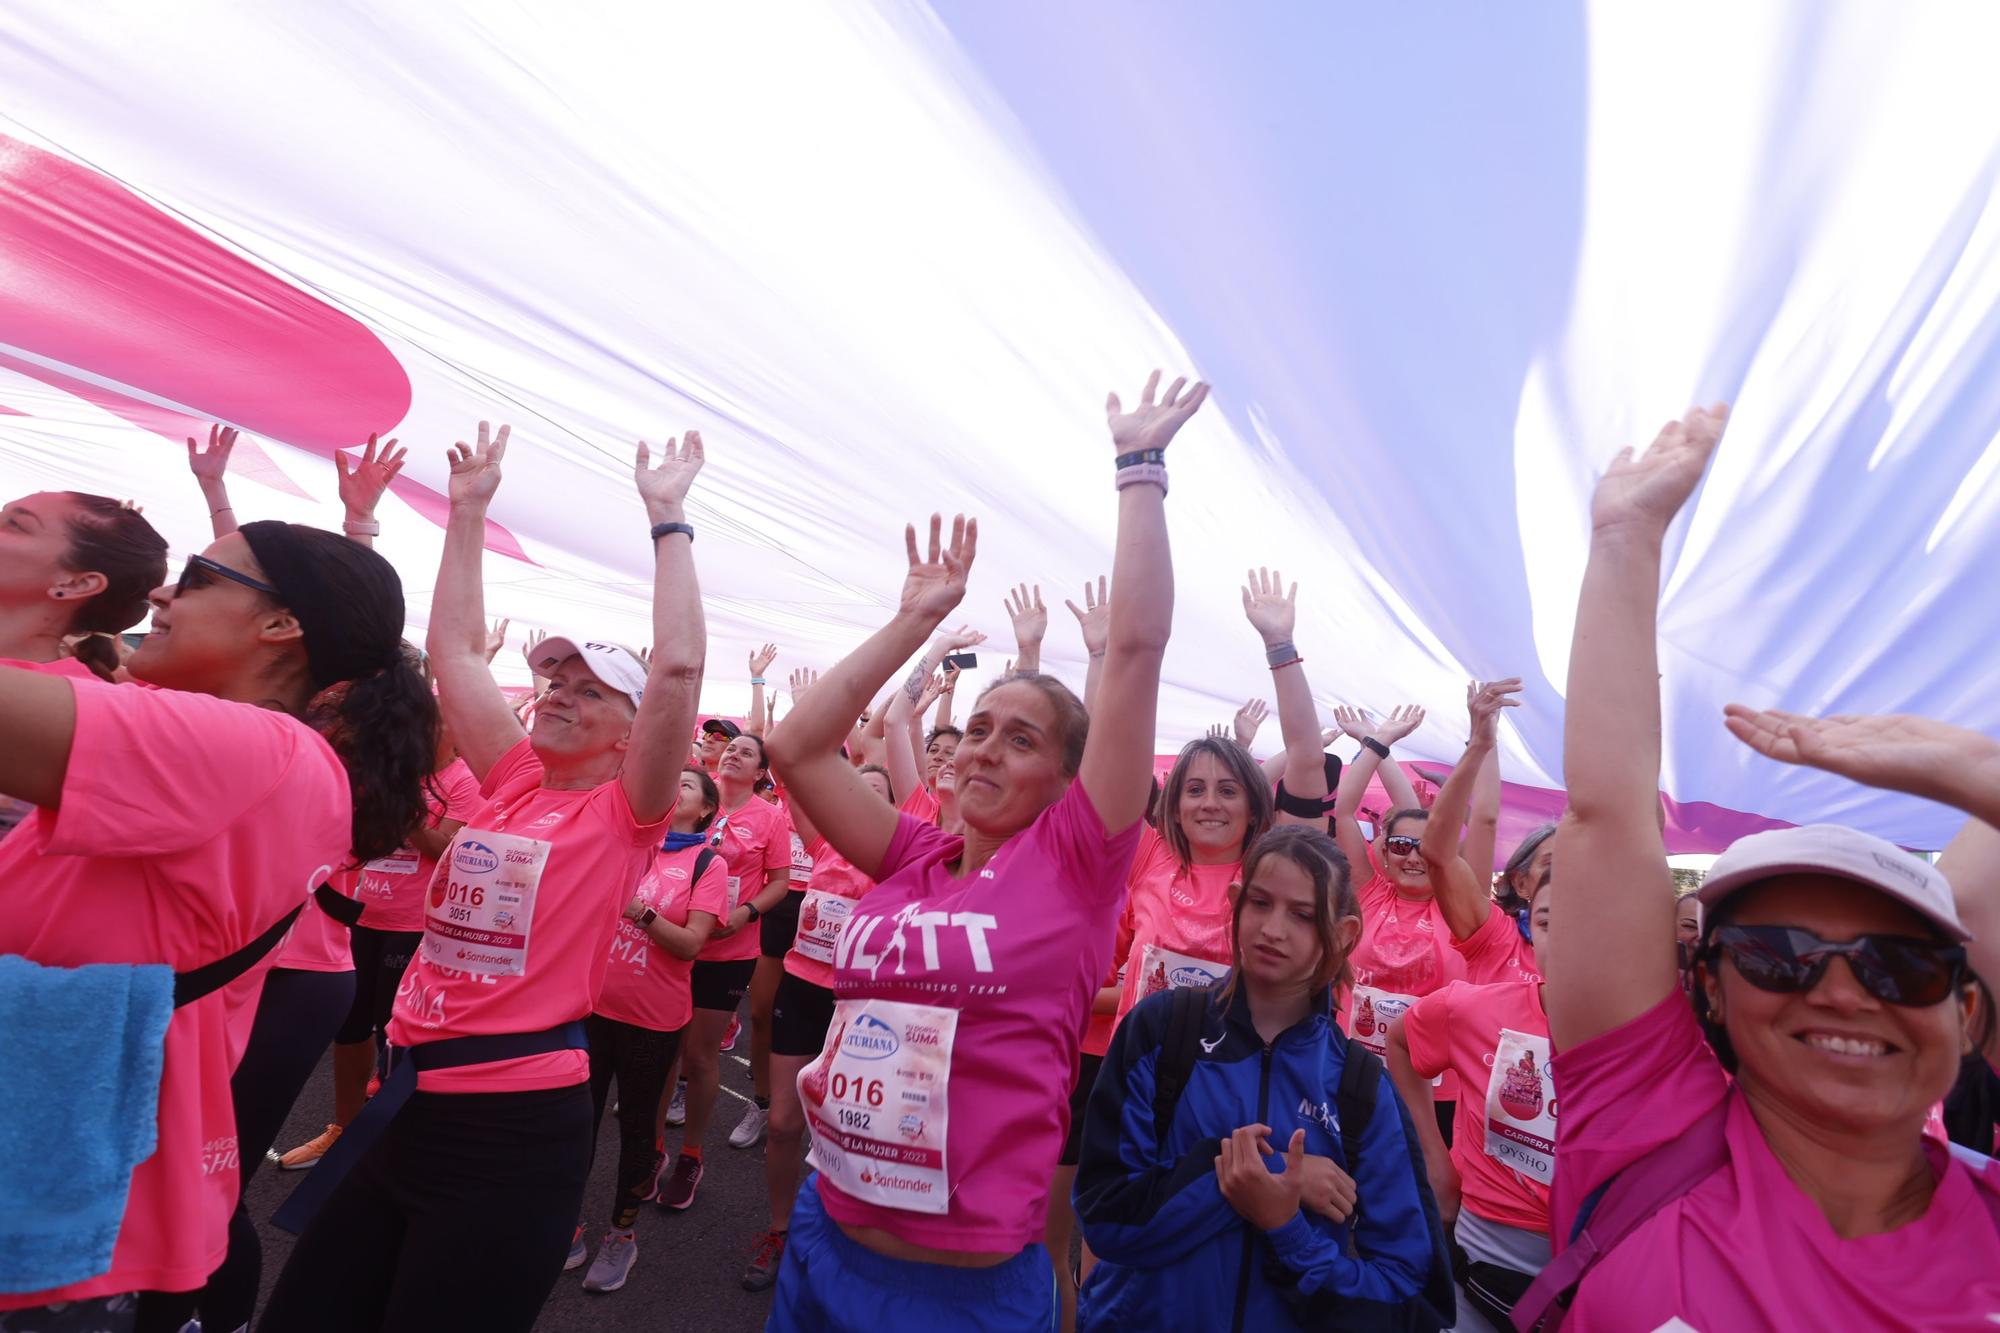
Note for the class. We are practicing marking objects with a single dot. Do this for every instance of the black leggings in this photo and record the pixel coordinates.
(459, 1217)
(296, 1017)
(379, 959)
(639, 1058)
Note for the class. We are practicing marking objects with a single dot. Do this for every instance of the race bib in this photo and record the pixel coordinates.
(802, 865)
(1371, 1011)
(822, 916)
(1521, 1107)
(481, 906)
(1164, 969)
(403, 861)
(735, 892)
(876, 1101)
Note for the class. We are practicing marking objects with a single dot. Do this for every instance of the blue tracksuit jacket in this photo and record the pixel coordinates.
(1174, 1254)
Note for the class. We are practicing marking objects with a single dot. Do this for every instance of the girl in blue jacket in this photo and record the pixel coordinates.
(1234, 1204)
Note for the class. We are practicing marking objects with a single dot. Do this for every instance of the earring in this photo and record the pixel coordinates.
(60, 593)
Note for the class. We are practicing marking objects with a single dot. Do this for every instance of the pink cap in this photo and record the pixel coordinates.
(1830, 849)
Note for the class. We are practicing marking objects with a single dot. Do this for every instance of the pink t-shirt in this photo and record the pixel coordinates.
(645, 985)
(316, 942)
(596, 852)
(1746, 1249)
(13, 810)
(922, 804)
(1018, 950)
(1179, 920)
(835, 881)
(1461, 1028)
(1496, 952)
(392, 887)
(188, 827)
(755, 839)
(1404, 954)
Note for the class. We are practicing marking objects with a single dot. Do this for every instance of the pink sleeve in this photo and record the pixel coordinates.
(914, 838)
(153, 772)
(1427, 1027)
(1072, 832)
(1490, 951)
(510, 768)
(1627, 1091)
(711, 891)
(778, 841)
(461, 795)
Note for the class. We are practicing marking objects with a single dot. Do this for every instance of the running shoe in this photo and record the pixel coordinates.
(729, 1034)
(302, 1157)
(577, 1252)
(676, 1192)
(614, 1261)
(749, 1131)
(374, 1085)
(765, 1256)
(677, 1109)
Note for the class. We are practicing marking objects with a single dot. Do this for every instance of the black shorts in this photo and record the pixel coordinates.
(1079, 1097)
(721, 986)
(800, 1017)
(777, 928)
(380, 956)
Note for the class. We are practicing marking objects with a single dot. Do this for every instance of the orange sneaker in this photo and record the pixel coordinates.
(303, 1156)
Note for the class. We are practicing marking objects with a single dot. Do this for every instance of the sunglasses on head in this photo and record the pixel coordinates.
(1896, 969)
(1401, 844)
(201, 572)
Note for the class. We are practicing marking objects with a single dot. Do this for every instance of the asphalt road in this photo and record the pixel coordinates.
(690, 1264)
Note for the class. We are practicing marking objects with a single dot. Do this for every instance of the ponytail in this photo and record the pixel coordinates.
(384, 726)
(99, 652)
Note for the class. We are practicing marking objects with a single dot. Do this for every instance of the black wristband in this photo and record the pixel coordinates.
(1302, 807)
(1139, 458)
(668, 529)
(751, 908)
(1370, 743)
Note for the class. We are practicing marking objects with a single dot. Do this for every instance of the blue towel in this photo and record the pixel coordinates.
(82, 1049)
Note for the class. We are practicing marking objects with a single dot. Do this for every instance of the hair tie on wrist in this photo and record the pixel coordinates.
(757, 680)
(1141, 473)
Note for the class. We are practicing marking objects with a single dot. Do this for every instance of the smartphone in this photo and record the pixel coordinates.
(962, 661)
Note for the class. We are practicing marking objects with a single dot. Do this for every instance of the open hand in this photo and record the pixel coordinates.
(1897, 751)
(1645, 491)
(1271, 611)
(496, 638)
(1483, 702)
(1402, 720)
(761, 659)
(1030, 617)
(210, 464)
(362, 482)
(1094, 617)
(1248, 718)
(1152, 425)
(664, 488)
(935, 584)
(803, 679)
(475, 469)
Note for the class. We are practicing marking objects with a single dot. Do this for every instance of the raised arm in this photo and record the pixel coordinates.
(361, 485)
(903, 754)
(1461, 889)
(651, 775)
(1612, 918)
(211, 467)
(1482, 826)
(1926, 758)
(946, 696)
(1375, 738)
(1273, 613)
(1031, 624)
(760, 662)
(474, 709)
(805, 746)
(1094, 619)
(1118, 756)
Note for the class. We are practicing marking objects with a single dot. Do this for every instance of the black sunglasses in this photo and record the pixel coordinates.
(201, 572)
(1896, 969)
(1401, 844)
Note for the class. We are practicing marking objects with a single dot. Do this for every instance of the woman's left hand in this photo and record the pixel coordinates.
(1897, 751)
(635, 909)
(664, 488)
(1152, 425)
(1264, 1198)
(362, 482)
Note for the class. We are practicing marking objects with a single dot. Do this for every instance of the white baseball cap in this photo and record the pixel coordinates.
(613, 663)
(1830, 849)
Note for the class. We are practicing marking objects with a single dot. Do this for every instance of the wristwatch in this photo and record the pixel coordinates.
(647, 918)
(751, 908)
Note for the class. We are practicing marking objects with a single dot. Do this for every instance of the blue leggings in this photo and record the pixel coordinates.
(830, 1283)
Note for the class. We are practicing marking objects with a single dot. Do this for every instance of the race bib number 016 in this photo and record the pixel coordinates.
(877, 1101)
(481, 907)
(822, 916)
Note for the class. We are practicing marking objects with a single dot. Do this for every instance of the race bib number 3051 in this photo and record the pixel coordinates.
(481, 907)
(877, 1100)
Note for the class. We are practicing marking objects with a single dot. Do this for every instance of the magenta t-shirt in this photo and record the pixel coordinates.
(188, 826)
(644, 985)
(1018, 950)
(1746, 1249)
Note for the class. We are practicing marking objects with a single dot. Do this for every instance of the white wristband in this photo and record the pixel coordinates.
(365, 528)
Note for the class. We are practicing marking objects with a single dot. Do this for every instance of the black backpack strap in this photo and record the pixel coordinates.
(1360, 1079)
(345, 910)
(211, 977)
(1179, 1048)
(701, 864)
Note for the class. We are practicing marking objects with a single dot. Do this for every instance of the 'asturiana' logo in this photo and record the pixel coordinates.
(870, 1039)
(475, 858)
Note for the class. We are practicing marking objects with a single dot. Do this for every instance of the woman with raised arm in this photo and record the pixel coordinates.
(1769, 1138)
(187, 826)
(974, 960)
(492, 1066)
(635, 1029)
(1523, 871)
